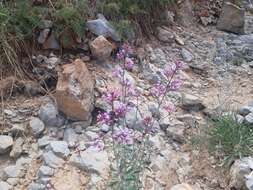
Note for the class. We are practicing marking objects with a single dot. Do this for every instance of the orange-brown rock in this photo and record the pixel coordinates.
(101, 48)
(75, 91)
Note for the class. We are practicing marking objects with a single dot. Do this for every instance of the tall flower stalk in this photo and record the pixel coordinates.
(131, 144)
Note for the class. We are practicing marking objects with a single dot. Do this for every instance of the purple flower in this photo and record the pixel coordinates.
(120, 110)
(111, 96)
(127, 48)
(129, 64)
(104, 118)
(179, 64)
(176, 84)
(121, 54)
(123, 136)
(170, 70)
(132, 92)
(147, 121)
(158, 90)
(118, 72)
(98, 144)
(169, 107)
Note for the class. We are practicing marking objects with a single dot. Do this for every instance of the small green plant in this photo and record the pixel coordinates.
(230, 139)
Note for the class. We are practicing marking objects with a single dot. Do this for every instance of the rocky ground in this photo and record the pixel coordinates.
(42, 149)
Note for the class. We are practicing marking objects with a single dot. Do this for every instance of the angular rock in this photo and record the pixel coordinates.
(60, 148)
(5, 186)
(191, 103)
(249, 118)
(245, 110)
(43, 36)
(70, 137)
(75, 91)
(44, 141)
(182, 186)
(238, 171)
(231, 19)
(36, 186)
(50, 116)
(17, 148)
(45, 171)
(52, 160)
(37, 126)
(5, 143)
(102, 27)
(93, 161)
(51, 43)
(13, 181)
(165, 35)
(187, 56)
(101, 48)
(17, 130)
(13, 171)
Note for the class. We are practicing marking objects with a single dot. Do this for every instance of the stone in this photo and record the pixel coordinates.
(43, 36)
(249, 181)
(45, 171)
(49, 114)
(187, 56)
(6, 143)
(245, 110)
(101, 48)
(17, 130)
(231, 19)
(75, 91)
(179, 40)
(191, 103)
(102, 27)
(44, 141)
(5, 186)
(17, 148)
(36, 186)
(52, 160)
(37, 126)
(13, 171)
(70, 137)
(51, 43)
(249, 118)
(238, 171)
(165, 35)
(182, 186)
(60, 148)
(13, 181)
(105, 128)
(92, 161)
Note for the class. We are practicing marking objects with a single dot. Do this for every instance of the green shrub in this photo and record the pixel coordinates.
(145, 13)
(230, 139)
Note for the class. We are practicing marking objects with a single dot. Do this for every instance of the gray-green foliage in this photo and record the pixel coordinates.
(130, 163)
(230, 139)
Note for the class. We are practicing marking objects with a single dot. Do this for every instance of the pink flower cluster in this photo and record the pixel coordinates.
(123, 136)
(111, 96)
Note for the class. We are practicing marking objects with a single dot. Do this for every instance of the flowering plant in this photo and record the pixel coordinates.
(131, 141)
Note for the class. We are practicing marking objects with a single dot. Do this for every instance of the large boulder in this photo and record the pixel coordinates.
(232, 19)
(101, 26)
(101, 48)
(75, 91)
